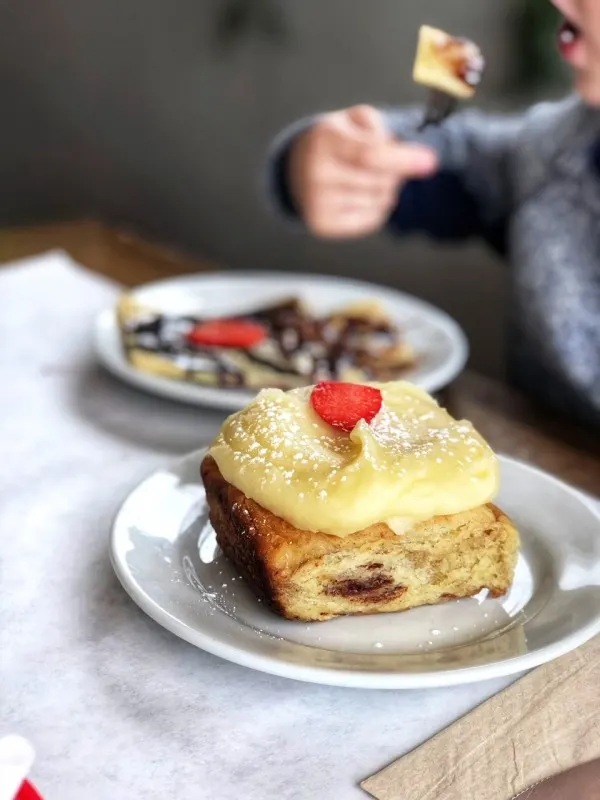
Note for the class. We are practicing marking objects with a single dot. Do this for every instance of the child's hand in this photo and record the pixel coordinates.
(347, 170)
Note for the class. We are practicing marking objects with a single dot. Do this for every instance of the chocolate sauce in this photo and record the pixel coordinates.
(465, 60)
(367, 589)
(300, 348)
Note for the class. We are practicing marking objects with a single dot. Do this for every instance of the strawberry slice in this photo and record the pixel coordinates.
(227, 333)
(343, 405)
(27, 792)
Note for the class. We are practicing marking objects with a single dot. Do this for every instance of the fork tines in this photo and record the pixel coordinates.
(439, 106)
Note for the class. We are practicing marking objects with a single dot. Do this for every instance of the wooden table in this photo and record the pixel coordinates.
(511, 423)
(119, 255)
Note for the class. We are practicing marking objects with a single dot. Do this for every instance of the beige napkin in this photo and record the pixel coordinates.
(544, 724)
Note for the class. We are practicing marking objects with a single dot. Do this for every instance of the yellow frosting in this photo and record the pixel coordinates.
(412, 462)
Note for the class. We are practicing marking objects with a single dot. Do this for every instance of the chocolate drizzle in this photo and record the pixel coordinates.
(464, 58)
(300, 348)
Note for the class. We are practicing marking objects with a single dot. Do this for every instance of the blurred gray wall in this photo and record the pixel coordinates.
(125, 107)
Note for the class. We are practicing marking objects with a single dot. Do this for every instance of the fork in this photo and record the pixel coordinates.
(438, 107)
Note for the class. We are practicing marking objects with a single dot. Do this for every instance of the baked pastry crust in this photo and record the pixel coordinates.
(311, 576)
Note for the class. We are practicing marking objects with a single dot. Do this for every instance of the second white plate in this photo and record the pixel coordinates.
(438, 340)
(165, 554)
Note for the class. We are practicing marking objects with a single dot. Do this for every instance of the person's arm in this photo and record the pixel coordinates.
(472, 192)
(279, 192)
(469, 195)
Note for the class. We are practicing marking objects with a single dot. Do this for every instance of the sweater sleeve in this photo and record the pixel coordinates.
(279, 195)
(470, 195)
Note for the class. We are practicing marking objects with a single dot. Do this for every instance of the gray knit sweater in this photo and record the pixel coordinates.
(529, 185)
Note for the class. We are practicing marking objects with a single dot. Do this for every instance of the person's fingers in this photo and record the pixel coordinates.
(402, 159)
(334, 175)
(342, 198)
(366, 202)
(368, 119)
(333, 198)
(409, 160)
(338, 213)
(347, 224)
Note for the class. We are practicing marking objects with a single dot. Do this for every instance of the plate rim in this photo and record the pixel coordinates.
(106, 325)
(356, 678)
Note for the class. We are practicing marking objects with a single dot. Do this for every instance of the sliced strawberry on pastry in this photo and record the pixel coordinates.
(343, 405)
(227, 333)
(27, 792)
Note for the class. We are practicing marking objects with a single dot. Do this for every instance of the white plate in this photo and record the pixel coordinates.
(165, 554)
(436, 337)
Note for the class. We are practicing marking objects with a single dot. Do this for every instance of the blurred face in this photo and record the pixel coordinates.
(579, 44)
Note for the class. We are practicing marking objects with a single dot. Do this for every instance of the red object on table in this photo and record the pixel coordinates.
(227, 333)
(27, 792)
(343, 405)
